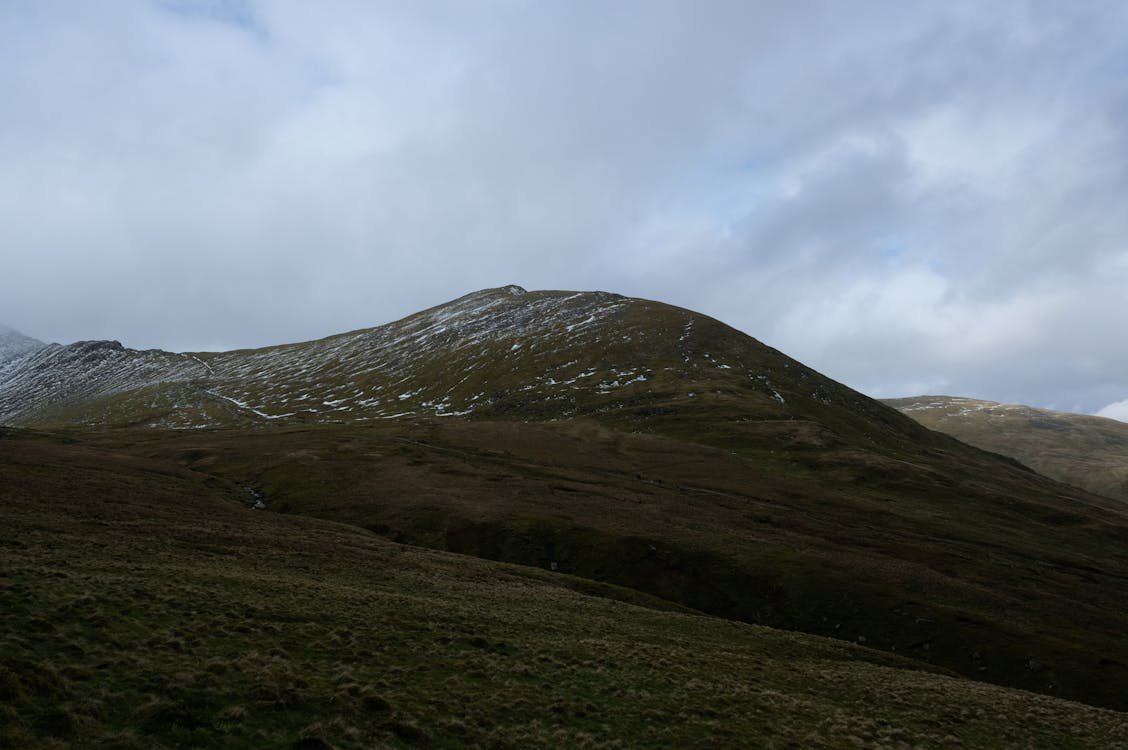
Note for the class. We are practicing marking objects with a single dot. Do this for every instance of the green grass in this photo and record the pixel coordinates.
(953, 559)
(143, 605)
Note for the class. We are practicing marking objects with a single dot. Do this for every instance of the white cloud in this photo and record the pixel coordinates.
(900, 195)
(1117, 410)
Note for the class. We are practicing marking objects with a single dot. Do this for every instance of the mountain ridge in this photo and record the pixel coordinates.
(490, 353)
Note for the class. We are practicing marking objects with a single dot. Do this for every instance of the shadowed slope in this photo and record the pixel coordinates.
(142, 605)
(951, 557)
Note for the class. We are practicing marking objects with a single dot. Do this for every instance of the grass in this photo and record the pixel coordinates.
(642, 456)
(984, 570)
(1077, 449)
(143, 605)
(828, 544)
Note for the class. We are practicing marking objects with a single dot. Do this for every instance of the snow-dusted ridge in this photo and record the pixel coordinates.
(960, 406)
(15, 345)
(496, 352)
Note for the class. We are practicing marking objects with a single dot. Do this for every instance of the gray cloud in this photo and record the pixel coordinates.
(908, 197)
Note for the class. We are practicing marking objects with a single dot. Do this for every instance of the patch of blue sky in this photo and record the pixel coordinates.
(892, 247)
(725, 194)
(901, 248)
(237, 13)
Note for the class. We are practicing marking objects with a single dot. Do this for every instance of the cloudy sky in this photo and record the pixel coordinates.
(912, 197)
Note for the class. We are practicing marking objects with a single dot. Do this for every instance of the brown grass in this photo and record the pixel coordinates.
(143, 605)
(948, 556)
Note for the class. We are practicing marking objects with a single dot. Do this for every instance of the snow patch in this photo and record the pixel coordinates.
(205, 364)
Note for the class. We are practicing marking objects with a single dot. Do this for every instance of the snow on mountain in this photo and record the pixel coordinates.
(499, 352)
(14, 344)
(406, 367)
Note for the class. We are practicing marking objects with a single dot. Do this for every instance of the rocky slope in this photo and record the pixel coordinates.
(14, 345)
(1082, 450)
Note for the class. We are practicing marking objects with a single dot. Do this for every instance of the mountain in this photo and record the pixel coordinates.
(14, 345)
(1079, 449)
(496, 353)
(144, 605)
(636, 445)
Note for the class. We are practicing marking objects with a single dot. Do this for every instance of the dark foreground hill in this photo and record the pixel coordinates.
(950, 557)
(1080, 449)
(144, 605)
(633, 444)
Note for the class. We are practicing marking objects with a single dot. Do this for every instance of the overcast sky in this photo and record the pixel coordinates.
(911, 197)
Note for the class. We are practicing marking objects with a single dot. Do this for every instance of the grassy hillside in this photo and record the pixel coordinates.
(143, 605)
(626, 443)
(1079, 449)
(947, 556)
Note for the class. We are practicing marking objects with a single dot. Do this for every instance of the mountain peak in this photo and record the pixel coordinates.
(509, 290)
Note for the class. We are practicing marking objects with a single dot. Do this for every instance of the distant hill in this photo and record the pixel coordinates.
(632, 444)
(14, 345)
(1082, 450)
